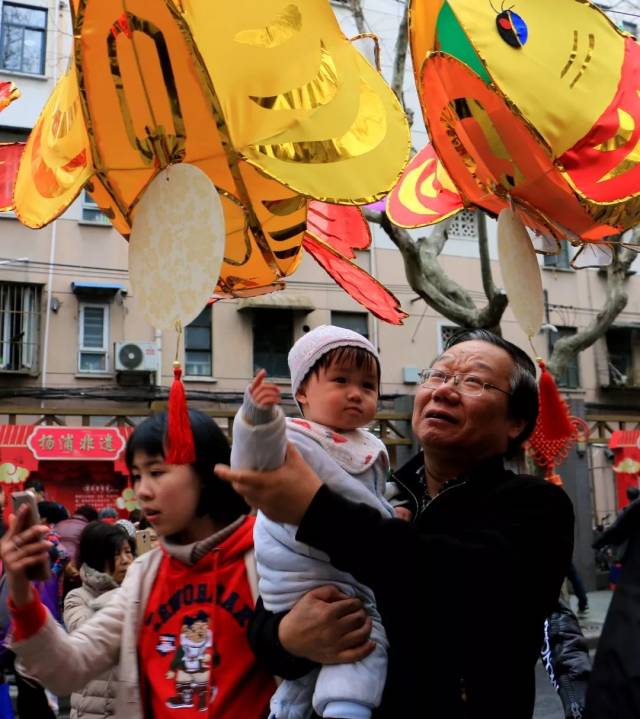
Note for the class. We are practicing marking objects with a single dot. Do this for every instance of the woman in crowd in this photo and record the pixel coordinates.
(106, 553)
(177, 628)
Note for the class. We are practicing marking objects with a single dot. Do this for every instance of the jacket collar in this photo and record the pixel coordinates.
(190, 554)
(412, 474)
(96, 582)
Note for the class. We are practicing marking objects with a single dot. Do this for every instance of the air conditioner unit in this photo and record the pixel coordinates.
(137, 356)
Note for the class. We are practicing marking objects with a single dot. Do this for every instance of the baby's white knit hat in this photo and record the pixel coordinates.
(311, 346)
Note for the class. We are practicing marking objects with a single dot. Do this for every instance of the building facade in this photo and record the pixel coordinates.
(75, 348)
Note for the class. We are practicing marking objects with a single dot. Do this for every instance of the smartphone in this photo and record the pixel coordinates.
(39, 571)
(143, 541)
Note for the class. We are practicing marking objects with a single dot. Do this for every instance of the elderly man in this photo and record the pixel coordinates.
(465, 588)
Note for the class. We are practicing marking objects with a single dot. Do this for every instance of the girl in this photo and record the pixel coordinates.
(105, 554)
(176, 629)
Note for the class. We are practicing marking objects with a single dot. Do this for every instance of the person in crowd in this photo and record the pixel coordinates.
(463, 590)
(575, 580)
(70, 530)
(108, 515)
(105, 554)
(128, 527)
(135, 516)
(36, 487)
(565, 655)
(614, 689)
(52, 512)
(177, 628)
(335, 375)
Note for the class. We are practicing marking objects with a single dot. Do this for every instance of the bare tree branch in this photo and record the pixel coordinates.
(485, 258)
(428, 280)
(567, 348)
(400, 61)
(358, 15)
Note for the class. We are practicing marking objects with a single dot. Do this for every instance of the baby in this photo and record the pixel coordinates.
(335, 377)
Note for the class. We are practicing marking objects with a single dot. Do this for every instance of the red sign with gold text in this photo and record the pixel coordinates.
(101, 443)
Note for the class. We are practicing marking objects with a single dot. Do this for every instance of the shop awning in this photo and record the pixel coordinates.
(277, 301)
(97, 290)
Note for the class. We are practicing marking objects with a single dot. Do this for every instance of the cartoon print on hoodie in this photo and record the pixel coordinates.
(191, 662)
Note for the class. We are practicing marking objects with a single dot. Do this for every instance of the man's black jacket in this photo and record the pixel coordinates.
(463, 591)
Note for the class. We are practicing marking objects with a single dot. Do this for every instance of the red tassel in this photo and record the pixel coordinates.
(555, 430)
(179, 444)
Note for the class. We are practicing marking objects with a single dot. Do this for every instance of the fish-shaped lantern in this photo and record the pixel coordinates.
(267, 97)
(534, 106)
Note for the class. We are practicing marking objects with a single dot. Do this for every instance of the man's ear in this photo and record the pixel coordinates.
(516, 426)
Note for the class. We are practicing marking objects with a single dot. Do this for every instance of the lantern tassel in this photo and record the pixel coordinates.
(179, 443)
(555, 430)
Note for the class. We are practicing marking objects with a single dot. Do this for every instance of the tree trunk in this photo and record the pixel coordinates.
(568, 348)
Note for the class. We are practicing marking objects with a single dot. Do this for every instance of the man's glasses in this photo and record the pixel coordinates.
(467, 384)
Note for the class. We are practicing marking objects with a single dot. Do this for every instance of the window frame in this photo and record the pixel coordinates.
(90, 205)
(362, 315)
(566, 331)
(561, 261)
(30, 343)
(255, 315)
(104, 350)
(43, 44)
(186, 348)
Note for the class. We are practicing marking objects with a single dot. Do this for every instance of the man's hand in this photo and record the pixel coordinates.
(327, 627)
(264, 394)
(403, 513)
(283, 494)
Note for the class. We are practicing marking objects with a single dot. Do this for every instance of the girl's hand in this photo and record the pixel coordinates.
(264, 394)
(22, 548)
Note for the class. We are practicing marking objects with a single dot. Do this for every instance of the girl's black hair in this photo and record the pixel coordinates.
(100, 544)
(217, 498)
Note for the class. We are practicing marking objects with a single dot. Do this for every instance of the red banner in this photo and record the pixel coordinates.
(626, 467)
(10, 155)
(76, 443)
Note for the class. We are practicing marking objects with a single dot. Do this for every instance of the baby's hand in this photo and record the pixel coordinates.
(264, 394)
(403, 513)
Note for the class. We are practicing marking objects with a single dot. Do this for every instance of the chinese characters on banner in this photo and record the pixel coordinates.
(76, 443)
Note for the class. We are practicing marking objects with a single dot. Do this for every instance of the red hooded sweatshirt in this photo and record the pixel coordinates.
(195, 658)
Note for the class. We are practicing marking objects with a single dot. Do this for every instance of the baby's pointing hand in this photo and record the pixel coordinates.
(264, 394)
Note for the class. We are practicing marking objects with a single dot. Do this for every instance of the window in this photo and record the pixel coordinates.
(94, 338)
(620, 344)
(356, 321)
(91, 212)
(197, 346)
(23, 38)
(571, 376)
(272, 340)
(464, 226)
(19, 327)
(446, 332)
(560, 261)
